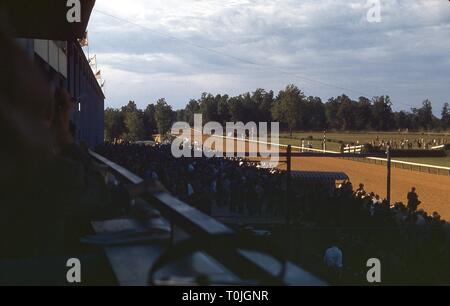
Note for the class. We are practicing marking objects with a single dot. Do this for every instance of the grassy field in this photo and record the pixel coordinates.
(349, 137)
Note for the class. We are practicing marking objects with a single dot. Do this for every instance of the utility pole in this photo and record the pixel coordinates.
(388, 183)
(288, 182)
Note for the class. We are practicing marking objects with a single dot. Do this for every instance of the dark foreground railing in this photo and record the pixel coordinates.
(248, 261)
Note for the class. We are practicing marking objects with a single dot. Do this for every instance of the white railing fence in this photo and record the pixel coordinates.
(432, 169)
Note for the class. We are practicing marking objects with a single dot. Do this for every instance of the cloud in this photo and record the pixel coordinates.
(179, 48)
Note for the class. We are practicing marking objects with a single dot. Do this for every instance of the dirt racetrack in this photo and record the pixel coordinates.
(433, 190)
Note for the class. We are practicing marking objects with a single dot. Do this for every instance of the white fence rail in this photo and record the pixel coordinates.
(432, 169)
(353, 149)
(438, 147)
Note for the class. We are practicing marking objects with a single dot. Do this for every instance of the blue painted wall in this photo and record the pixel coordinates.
(81, 83)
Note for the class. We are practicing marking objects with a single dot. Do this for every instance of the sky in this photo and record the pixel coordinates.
(178, 49)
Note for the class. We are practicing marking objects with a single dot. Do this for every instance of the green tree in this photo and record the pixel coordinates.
(259, 105)
(331, 110)
(114, 124)
(208, 107)
(251, 112)
(180, 115)
(425, 115)
(315, 118)
(130, 107)
(265, 103)
(288, 107)
(237, 110)
(164, 116)
(134, 124)
(363, 113)
(382, 115)
(223, 109)
(150, 126)
(346, 113)
(191, 109)
(445, 116)
(403, 120)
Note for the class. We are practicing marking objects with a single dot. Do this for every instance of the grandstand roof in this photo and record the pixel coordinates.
(318, 175)
(45, 19)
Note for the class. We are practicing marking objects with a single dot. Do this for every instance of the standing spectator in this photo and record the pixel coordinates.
(413, 200)
(377, 200)
(360, 192)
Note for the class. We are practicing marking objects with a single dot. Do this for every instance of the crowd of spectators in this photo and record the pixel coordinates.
(412, 245)
(403, 144)
(239, 185)
(362, 223)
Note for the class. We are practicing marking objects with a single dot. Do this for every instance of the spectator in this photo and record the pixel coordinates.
(360, 192)
(401, 236)
(413, 200)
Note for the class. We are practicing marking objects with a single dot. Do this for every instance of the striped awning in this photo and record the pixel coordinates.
(318, 175)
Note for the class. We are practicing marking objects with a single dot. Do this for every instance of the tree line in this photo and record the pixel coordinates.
(291, 107)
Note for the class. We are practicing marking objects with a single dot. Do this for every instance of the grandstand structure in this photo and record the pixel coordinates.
(52, 43)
